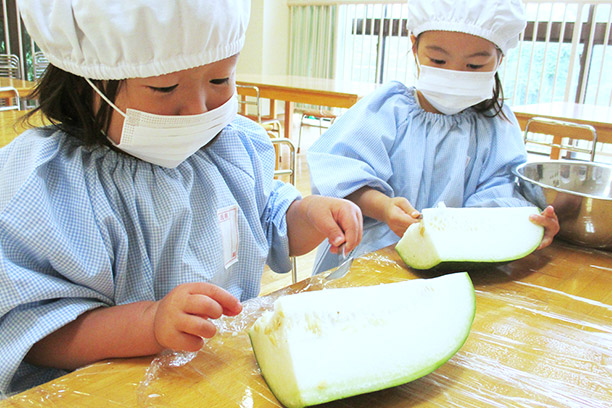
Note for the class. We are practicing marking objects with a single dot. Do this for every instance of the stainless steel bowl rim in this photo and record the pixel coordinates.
(516, 172)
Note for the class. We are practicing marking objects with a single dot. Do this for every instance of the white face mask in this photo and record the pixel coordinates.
(452, 91)
(167, 140)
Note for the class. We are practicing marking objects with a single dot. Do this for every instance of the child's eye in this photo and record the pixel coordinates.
(219, 81)
(164, 89)
(437, 61)
(473, 66)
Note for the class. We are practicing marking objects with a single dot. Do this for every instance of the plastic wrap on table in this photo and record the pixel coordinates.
(530, 346)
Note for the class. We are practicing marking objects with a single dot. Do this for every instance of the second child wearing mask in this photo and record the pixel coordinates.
(449, 139)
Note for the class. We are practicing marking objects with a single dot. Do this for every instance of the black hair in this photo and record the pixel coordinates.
(67, 101)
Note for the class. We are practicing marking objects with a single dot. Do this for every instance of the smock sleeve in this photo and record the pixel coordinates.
(273, 196)
(496, 183)
(54, 264)
(354, 152)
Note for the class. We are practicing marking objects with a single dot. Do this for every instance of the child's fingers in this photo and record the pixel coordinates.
(353, 229)
(341, 224)
(348, 223)
(204, 306)
(228, 302)
(405, 206)
(197, 326)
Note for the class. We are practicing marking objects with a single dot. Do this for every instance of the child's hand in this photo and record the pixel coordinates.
(314, 218)
(399, 214)
(182, 316)
(337, 219)
(548, 220)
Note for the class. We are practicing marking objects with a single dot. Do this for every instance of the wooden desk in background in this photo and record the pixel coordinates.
(600, 117)
(24, 88)
(542, 336)
(314, 91)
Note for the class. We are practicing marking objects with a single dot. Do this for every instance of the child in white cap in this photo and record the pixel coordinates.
(150, 207)
(450, 139)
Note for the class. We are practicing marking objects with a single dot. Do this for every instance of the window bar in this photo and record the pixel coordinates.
(353, 42)
(303, 41)
(603, 54)
(385, 40)
(549, 25)
(534, 42)
(518, 65)
(380, 45)
(559, 49)
(331, 36)
(7, 40)
(292, 20)
(308, 30)
(22, 57)
(341, 43)
(325, 25)
(317, 36)
(584, 77)
(574, 51)
(371, 77)
(315, 41)
(399, 43)
(361, 12)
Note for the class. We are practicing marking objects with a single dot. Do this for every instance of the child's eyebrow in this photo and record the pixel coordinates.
(480, 54)
(436, 48)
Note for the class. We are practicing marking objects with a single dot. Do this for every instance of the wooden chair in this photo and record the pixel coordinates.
(325, 119)
(559, 135)
(248, 96)
(39, 63)
(285, 170)
(10, 66)
(9, 99)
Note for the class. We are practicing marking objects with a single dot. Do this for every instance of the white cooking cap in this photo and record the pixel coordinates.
(499, 21)
(118, 39)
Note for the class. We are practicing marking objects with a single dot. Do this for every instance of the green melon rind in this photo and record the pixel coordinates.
(401, 380)
(410, 254)
(298, 400)
(463, 265)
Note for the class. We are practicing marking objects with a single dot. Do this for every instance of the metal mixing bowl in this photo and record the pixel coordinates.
(580, 192)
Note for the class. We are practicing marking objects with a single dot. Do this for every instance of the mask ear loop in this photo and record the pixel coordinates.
(95, 88)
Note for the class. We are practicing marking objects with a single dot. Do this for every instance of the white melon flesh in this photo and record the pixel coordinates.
(470, 235)
(321, 346)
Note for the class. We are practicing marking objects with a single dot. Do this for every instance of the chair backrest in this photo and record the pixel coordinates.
(9, 66)
(39, 63)
(248, 95)
(562, 136)
(9, 98)
(287, 168)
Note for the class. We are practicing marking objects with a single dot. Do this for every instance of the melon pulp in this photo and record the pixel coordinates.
(321, 346)
(469, 235)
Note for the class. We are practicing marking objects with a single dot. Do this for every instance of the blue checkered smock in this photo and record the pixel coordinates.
(84, 227)
(388, 142)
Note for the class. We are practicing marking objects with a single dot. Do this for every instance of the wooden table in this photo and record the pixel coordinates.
(11, 126)
(600, 117)
(24, 88)
(314, 91)
(542, 336)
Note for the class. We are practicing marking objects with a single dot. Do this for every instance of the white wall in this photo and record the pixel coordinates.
(267, 40)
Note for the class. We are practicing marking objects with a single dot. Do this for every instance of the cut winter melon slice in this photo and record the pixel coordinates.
(321, 346)
(469, 235)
